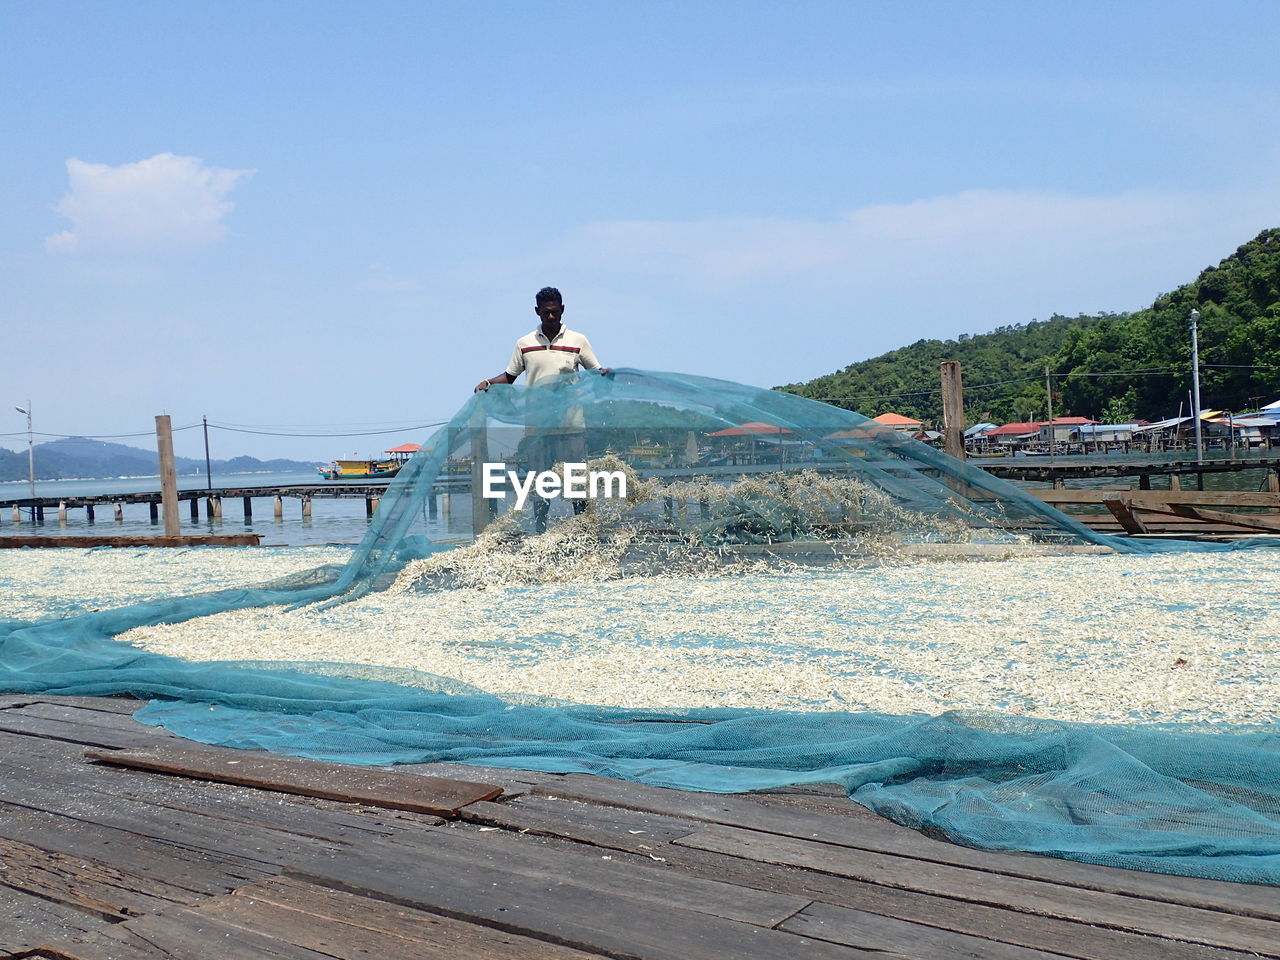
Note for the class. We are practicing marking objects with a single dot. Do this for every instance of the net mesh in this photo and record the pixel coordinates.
(718, 477)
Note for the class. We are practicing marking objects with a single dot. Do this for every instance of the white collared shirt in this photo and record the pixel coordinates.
(539, 357)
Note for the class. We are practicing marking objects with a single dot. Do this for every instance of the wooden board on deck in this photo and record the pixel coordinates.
(332, 781)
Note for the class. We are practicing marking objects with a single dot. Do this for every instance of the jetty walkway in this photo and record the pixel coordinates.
(121, 842)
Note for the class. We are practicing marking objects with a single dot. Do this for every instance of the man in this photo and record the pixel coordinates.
(551, 349)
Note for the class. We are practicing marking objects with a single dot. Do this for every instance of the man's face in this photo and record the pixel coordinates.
(550, 312)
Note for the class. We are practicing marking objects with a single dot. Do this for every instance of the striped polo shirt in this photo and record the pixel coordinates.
(539, 357)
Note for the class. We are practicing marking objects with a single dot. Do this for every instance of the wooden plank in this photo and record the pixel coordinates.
(27, 920)
(312, 778)
(348, 925)
(1122, 510)
(646, 881)
(577, 821)
(178, 934)
(94, 888)
(1141, 498)
(1254, 521)
(883, 836)
(186, 874)
(94, 728)
(209, 540)
(856, 928)
(50, 775)
(558, 909)
(1171, 921)
(116, 704)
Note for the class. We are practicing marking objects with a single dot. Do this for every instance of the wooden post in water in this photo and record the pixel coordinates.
(306, 508)
(195, 509)
(217, 507)
(1273, 481)
(248, 508)
(952, 409)
(154, 511)
(62, 513)
(168, 476)
(88, 512)
(17, 514)
(279, 507)
(119, 513)
(479, 454)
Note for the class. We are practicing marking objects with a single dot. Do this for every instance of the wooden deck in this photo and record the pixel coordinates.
(119, 842)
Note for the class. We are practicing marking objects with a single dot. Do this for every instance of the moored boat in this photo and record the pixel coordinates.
(377, 469)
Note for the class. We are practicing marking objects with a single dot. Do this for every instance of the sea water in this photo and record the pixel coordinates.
(332, 520)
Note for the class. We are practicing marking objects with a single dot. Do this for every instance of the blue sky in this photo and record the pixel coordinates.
(326, 217)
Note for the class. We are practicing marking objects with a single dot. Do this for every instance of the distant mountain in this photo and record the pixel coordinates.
(1111, 367)
(82, 458)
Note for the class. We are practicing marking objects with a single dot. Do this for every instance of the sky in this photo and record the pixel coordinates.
(308, 221)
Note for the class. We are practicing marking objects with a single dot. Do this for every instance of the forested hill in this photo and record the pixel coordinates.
(1111, 367)
(78, 457)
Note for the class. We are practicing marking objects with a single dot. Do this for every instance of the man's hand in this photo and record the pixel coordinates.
(482, 386)
(604, 371)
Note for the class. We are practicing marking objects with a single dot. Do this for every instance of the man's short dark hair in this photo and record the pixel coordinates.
(548, 294)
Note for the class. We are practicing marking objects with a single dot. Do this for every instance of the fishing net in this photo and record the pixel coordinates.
(695, 477)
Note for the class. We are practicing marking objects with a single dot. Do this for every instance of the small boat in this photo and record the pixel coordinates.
(382, 469)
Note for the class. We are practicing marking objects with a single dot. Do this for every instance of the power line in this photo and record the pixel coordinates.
(366, 433)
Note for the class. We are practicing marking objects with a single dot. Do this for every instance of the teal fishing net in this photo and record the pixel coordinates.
(718, 476)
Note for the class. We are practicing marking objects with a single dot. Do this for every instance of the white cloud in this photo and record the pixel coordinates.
(163, 204)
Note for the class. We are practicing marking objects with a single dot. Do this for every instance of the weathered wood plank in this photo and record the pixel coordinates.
(1171, 921)
(539, 861)
(1206, 498)
(120, 704)
(883, 836)
(51, 775)
(313, 778)
(81, 726)
(856, 928)
(93, 888)
(348, 925)
(558, 909)
(27, 920)
(539, 815)
(178, 934)
(187, 872)
(1123, 512)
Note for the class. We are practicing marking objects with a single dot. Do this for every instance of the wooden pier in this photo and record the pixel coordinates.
(121, 842)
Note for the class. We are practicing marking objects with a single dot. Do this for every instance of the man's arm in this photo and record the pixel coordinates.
(503, 377)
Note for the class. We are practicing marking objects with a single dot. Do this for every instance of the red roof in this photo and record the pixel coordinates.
(405, 448)
(1015, 429)
(748, 429)
(896, 420)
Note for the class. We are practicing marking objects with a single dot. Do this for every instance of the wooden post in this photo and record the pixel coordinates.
(279, 507)
(154, 510)
(217, 507)
(88, 512)
(1144, 482)
(62, 512)
(119, 513)
(952, 409)
(370, 503)
(168, 476)
(1273, 481)
(17, 514)
(306, 508)
(195, 509)
(433, 510)
(248, 508)
(1175, 481)
(479, 454)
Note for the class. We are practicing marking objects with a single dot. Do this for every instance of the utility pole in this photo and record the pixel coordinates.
(208, 466)
(1048, 392)
(1195, 383)
(31, 458)
(952, 409)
